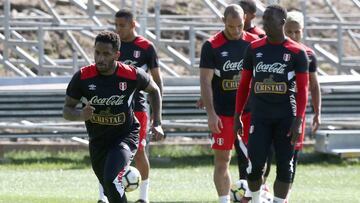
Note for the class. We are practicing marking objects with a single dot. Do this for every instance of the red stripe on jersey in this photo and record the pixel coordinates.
(126, 71)
(302, 83)
(259, 43)
(142, 42)
(293, 46)
(309, 51)
(88, 72)
(257, 31)
(249, 37)
(243, 90)
(217, 40)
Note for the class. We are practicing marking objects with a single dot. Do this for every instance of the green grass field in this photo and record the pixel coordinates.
(179, 174)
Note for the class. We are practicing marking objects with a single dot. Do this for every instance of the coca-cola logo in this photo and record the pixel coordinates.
(232, 66)
(113, 100)
(278, 68)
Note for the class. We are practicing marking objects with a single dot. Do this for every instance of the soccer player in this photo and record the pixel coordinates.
(106, 89)
(294, 26)
(249, 7)
(220, 63)
(139, 52)
(277, 69)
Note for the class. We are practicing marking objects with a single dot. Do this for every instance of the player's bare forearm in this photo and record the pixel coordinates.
(156, 75)
(155, 102)
(206, 90)
(69, 111)
(315, 93)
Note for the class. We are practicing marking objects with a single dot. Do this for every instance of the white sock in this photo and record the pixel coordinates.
(255, 196)
(144, 190)
(101, 194)
(224, 199)
(278, 200)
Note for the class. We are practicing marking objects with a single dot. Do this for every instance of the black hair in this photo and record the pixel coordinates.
(123, 13)
(249, 6)
(109, 37)
(278, 10)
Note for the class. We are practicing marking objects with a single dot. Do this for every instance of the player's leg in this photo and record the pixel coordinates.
(259, 143)
(284, 152)
(240, 146)
(141, 159)
(222, 144)
(117, 160)
(298, 147)
(102, 198)
(97, 155)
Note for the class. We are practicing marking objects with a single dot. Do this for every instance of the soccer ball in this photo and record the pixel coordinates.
(237, 190)
(131, 179)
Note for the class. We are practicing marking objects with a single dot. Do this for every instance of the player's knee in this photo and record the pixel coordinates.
(284, 173)
(255, 172)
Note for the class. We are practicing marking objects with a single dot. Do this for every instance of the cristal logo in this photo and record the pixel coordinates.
(230, 66)
(278, 68)
(130, 62)
(114, 100)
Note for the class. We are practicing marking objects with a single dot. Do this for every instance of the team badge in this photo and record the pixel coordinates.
(286, 57)
(122, 86)
(136, 54)
(220, 141)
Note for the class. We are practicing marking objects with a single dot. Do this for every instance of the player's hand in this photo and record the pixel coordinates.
(295, 129)
(316, 123)
(200, 104)
(157, 133)
(87, 112)
(238, 125)
(214, 123)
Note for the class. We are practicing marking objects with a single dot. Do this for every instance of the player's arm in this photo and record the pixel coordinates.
(302, 84)
(214, 122)
(316, 100)
(157, 77)
(243, 90)
(156, 104)
(71, 113)
(242, 95)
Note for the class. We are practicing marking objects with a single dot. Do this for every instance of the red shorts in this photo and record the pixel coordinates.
(246, 120)
(224, 140)
(300, 142)
(143, 119)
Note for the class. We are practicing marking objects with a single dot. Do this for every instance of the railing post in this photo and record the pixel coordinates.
(40, 36)
(157, 21)
(75, 60)
(143, 18)
(7, 17)
(340, 51)
(303, 10)
(192, 46)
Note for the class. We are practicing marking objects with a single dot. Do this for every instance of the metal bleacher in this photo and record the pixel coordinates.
(31, 102)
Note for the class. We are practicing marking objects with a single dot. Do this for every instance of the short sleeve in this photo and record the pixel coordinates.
(312, 62)
(73, 89)
(143, 79)
(248, 59)
(207, 58)
(301, 62)
(153, 61)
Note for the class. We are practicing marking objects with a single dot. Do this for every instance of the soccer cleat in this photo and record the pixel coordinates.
(100, 201)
